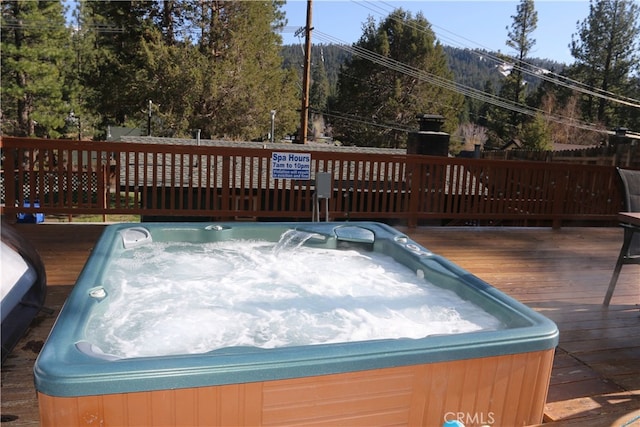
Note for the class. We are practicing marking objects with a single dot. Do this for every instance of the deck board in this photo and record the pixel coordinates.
(563, 274)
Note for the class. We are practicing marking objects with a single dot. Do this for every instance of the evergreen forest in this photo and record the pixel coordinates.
(173, 68)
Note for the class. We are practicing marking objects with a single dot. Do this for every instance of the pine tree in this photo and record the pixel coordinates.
(36, 53)
(213, 66)
(114, 66)
(379, 103)
(174, 83)
(524, 24)
(319, 91)
(519, 39)
(536, 134)
(629, 117)
(243, 78)
(607, 53)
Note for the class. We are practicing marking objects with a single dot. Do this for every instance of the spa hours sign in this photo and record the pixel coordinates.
(291, 165)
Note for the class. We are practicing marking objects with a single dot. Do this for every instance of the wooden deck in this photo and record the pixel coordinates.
(560, 273)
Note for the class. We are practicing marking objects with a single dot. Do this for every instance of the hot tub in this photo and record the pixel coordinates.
(494, 375)
(23, 287)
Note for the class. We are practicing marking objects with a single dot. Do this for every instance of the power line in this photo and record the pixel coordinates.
(358, 119)
(14, 24)
(522, 66)
(449, 84)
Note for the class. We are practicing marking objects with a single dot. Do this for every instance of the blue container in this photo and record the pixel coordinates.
(29, 217)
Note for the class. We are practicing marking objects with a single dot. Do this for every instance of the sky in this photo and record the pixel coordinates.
(479, 24)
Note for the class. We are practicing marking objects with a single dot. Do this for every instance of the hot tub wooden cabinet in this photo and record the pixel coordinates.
(498, 377)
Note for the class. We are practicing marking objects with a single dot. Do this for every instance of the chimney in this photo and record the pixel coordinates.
(429, 140)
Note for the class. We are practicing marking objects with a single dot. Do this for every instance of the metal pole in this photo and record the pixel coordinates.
(149, 120)
(273, 125)
(304, 115)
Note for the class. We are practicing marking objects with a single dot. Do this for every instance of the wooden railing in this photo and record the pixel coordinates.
(625, 155)
(155, 180)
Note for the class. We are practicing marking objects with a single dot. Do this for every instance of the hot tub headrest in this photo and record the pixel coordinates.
(354, 233)
(94, 351)
(346, 233)
(135, 236)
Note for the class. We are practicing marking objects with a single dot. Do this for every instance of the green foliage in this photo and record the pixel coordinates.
(472, 68)
(173, 83)
(35, 60)
(607, 52)
(331, 56)
(627, 116)
(319, 91)
(213, 66)
(536, 134)
(113, 64)
(248, 81)
(525, 21)
(382, 99)
(220, 67)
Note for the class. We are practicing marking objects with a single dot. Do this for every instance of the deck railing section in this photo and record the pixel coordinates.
(79, 177)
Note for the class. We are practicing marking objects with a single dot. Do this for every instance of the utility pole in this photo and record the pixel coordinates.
(304, 115)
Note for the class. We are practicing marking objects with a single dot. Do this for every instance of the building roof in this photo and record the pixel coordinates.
(310, 146)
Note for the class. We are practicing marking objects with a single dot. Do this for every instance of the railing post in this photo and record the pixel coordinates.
(103, 188)
(560, 195)
(225, 183)
(10, 176)
(414, 176)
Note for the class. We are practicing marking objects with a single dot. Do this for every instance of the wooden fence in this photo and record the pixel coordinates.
(165, 181)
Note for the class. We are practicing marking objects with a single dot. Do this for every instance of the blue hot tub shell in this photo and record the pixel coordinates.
(69, 368)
